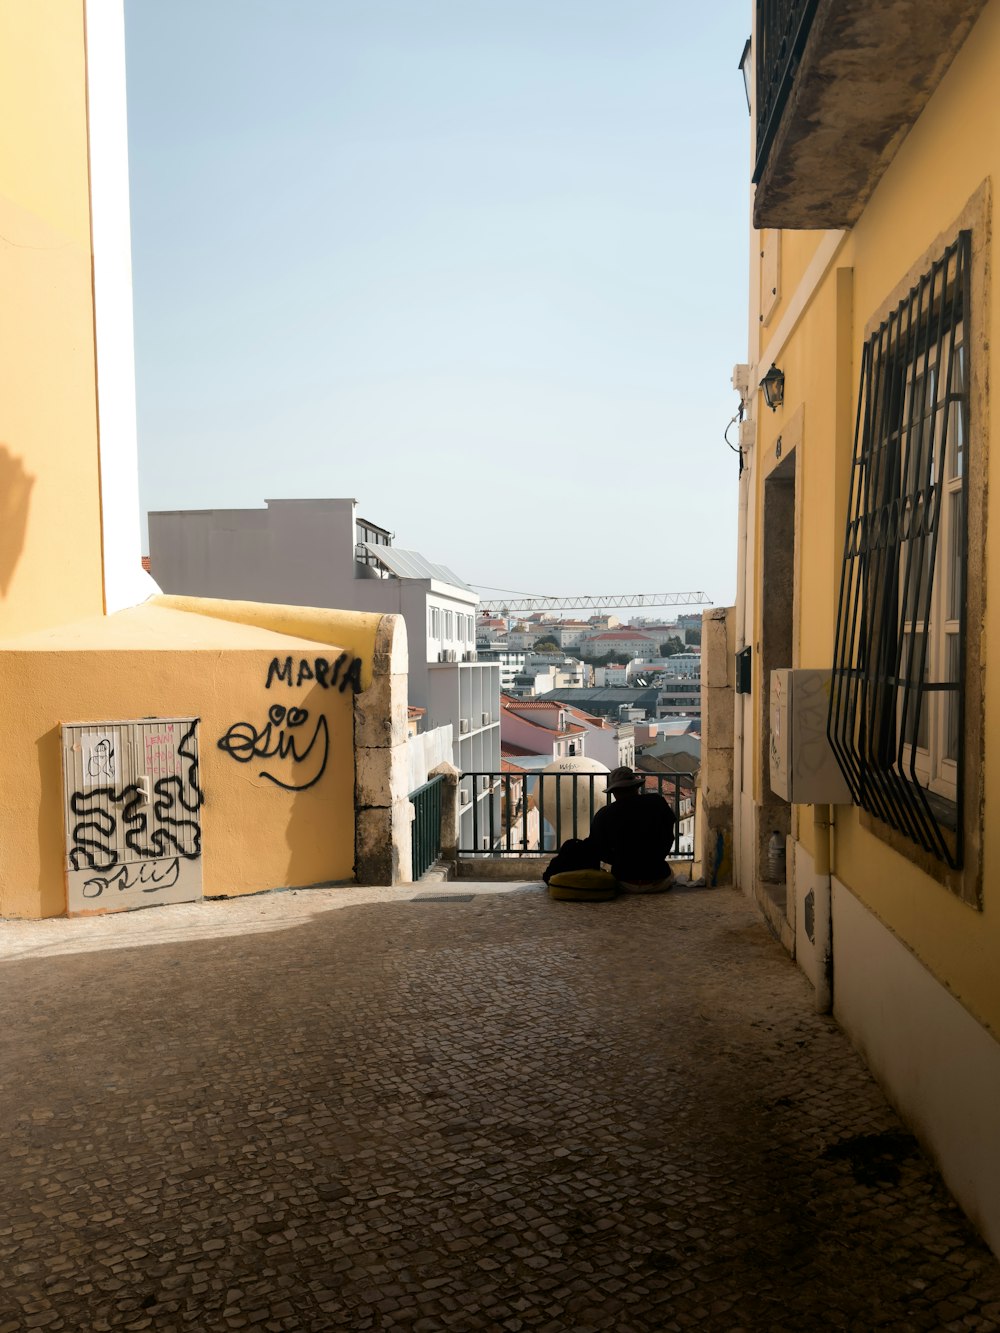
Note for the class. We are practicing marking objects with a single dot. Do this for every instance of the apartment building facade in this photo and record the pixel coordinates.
(869, 549)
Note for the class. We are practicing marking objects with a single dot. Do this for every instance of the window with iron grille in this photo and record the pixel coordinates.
(896, 707)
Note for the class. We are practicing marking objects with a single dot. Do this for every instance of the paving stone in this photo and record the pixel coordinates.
(345, 1110)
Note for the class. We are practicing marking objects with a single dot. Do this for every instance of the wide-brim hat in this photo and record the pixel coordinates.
(622, 778)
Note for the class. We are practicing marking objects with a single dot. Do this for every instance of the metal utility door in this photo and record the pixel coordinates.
(132, 808)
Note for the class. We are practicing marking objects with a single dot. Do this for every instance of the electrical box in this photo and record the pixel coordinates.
(744, 670)
(804, 768)
(132, 810)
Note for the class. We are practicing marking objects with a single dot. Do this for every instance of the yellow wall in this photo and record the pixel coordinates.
(153, 661)
(953, 148)
(956, 146)
(50, 517)
(354, 630)
(797, 251)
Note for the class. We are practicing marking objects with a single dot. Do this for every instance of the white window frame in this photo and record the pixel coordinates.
(934, 769)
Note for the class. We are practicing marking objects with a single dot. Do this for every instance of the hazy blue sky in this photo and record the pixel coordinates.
(480, 264)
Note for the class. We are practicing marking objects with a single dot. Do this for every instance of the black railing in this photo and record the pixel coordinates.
(425, 831)
(532, 814)
(781, 32)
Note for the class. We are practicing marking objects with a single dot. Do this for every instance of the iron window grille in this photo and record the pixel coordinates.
(896, 718)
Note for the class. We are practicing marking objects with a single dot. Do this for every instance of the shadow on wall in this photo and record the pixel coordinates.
(15, 497)
(319, 832)
(51, 831)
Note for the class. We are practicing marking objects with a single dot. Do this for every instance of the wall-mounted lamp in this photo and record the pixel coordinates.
(773, 385)
(745, 71)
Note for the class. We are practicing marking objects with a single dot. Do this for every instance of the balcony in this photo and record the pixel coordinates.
(839, 85)
(509, 825)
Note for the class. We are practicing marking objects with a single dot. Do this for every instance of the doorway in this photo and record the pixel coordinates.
(777, 630)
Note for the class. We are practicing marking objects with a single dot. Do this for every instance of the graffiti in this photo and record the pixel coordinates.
(324, 673)
(159, 750)
(150, 876)
(281, 737)
(101, 760)
(175, 798)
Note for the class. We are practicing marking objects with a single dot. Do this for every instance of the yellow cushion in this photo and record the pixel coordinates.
(583, 886)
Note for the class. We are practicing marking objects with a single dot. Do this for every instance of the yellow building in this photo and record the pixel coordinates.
(868, 829)
(155, 749)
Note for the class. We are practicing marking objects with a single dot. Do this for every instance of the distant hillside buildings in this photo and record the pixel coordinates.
(654, 686)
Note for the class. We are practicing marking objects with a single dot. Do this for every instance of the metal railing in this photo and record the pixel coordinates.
(532, 814)
(425, 831)
(781, 31)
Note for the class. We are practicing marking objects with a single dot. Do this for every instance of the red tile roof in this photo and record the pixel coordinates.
(536, 705)
(588, 717)
(145, 563)
(621, 634)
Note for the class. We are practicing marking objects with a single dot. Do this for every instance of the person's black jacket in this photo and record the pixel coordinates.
(634, 837)
(574, 854)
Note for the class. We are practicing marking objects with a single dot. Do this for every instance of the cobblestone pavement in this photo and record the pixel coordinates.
(350, 1109)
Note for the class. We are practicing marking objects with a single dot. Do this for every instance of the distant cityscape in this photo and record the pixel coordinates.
(500, 697)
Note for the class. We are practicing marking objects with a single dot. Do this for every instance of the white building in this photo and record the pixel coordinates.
(613, 674)
(629, 641)
(568, 633)
(684, 664)
(510, 661)
(570, 671)
(612, 743)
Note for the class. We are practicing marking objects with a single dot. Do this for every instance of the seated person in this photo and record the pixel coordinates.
(634, 834)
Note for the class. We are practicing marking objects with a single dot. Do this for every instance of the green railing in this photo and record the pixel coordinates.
(425, 831)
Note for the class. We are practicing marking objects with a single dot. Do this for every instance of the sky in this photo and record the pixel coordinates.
(480, 264)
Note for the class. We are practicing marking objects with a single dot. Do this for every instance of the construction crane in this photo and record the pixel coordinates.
(596, 603)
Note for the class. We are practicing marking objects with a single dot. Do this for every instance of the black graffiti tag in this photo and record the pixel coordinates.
(153, 876)
(276, 739)
(174, 798)
(327, 674)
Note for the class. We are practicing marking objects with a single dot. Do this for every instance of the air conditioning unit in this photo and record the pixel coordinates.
(484, 784)
(463, 725)
(466, 798)
(485, 719)
(450, 655)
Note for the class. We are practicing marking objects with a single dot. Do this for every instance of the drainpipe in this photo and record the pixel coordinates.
(823, 897)
(739, 700)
